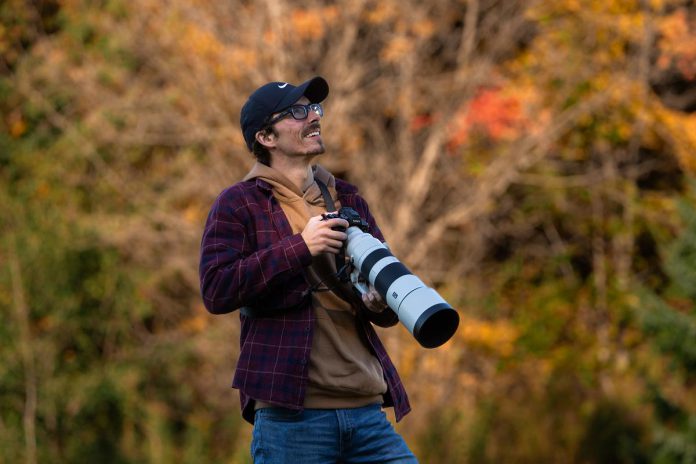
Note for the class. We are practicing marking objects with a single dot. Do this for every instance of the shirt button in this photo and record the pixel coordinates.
(306, 329)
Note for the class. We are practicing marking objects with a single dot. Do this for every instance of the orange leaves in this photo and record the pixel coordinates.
(17, 124)
(304, 25)
(678, 43)
(196, 323)
(404, 43)
(395, 49)
(499, 114)
(307, 24)
(683, 132)
(226, 60)
(423, 28)
(202, 42)
(381, 13)
(311, 24)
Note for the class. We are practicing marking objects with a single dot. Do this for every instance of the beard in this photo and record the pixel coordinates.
(320, 150)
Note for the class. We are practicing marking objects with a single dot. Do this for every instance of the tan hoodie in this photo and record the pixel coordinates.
(343, 373)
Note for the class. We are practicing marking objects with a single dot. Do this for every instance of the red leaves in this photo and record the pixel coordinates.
(493, 113)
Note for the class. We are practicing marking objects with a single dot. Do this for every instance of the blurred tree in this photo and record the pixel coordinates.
(525, 157)
(668, 317)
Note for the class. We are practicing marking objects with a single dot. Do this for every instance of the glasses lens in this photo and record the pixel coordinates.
(316, 107)
(299, 111)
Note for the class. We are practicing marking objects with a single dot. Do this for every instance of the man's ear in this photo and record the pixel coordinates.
(266, 138)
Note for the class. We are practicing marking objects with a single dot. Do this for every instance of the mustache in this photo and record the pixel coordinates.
(312, 127)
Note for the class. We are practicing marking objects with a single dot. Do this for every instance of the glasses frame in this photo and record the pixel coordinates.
(298, 112)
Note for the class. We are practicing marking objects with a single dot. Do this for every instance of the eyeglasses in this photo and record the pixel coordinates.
(298, 112)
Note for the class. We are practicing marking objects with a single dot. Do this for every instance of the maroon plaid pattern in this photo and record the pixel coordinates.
(250, 258)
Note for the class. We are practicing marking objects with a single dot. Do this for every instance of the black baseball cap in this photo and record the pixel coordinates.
(274, 97)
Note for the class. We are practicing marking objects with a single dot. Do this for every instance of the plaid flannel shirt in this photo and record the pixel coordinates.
(251, 259)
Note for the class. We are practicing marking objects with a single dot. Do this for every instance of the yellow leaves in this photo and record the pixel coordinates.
(4, 40)
(656, 5)
(590, 9)
(17, 125)
(408, 356)
(617, 30)
(496, 337)
(682, 128)
(197, 323)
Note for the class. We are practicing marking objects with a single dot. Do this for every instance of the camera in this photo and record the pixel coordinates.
(350, 215)
(429, 318)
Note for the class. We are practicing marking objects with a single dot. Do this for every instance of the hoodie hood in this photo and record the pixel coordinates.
(287, 192)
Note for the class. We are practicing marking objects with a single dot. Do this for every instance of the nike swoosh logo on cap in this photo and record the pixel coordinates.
(282, 86)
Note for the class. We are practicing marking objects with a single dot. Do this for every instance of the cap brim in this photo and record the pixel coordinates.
(316, 90)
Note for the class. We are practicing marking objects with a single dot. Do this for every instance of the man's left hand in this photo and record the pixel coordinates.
(373, 300)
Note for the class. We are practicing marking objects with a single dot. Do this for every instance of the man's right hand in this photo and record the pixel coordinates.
(320, 237)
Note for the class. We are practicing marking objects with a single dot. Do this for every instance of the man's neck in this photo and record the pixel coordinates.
(297, 170)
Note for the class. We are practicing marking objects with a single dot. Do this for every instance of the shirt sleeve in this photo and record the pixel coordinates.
(232, 272)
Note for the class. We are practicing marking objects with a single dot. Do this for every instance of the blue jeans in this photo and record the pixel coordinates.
(327, 436)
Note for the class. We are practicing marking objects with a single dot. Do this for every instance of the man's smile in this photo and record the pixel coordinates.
(313, 131)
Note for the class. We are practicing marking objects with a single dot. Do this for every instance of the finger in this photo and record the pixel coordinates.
(377, 296)
(336, 222)
(332, 247)
(336, 235)
(334, 244)
(371, 304)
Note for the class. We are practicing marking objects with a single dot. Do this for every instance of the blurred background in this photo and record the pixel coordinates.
(532, 160)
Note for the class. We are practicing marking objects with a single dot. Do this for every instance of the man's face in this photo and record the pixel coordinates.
(299, 137)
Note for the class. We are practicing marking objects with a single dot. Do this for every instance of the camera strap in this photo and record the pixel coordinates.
(342, 270)
(328, 201)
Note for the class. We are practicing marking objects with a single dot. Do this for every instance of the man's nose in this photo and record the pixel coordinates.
(314, 116)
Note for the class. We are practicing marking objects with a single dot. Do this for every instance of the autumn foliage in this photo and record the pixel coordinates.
(533, 160)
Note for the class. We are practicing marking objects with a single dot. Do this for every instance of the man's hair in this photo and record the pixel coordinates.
(261, 153)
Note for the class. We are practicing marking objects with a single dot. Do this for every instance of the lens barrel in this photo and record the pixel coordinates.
(430, 319)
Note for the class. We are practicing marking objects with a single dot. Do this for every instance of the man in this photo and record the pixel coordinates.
(312, 373)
